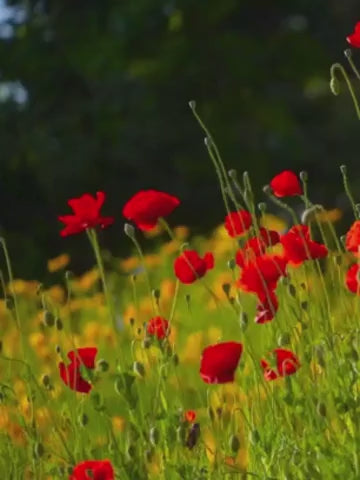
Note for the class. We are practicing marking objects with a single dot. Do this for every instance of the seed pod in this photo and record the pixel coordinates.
(234, 443)
(139, 369)
(48, 319)
(154, 436)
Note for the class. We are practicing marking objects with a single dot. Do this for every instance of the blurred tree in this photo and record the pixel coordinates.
(94, 95)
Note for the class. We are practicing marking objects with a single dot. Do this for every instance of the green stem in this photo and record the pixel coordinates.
(348, 191)
(339, 67)
(11, 281)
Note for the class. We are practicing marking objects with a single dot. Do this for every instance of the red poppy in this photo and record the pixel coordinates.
(158, 327)
(267, 308)
(352, 279)
(219, 362)
(188, 267)
(298, 246)
(71, 374)
(256, 246)
(287, 363)
(93, 470)
(190, 416)
(352, 240)
(354, 38)
(237, 223)
(286, 184)
(86, 214)
(147, 206)
(262, 274)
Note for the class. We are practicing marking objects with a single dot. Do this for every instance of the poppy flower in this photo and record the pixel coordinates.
(354, 38)
(93, 470)
(189, 266)
(219, 362)
(71, 375)
(262, 274)
(256, 246)
(158, 327)
(190, 416)
(237, 223)
(352, 279)
(298, 247)
(352, 239)
(147, 206)
(86, 214)
(267, 308)
(287, 363)
(286, 184)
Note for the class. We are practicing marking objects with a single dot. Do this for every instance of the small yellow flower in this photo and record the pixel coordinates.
(152, 260)
(56, 294)
(193, 348)
(118, 423)
(87, 281)
(22, 287)
(37, 340)
(57, 263)
(332, 216)
(129, 264)
(181, 232)
(272, 222)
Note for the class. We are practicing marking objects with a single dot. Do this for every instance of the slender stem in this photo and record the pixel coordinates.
(11, 281)
(348, 190)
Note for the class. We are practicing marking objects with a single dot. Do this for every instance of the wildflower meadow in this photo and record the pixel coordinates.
(234, 356)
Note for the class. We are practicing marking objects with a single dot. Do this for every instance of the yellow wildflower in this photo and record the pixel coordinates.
(59, 262)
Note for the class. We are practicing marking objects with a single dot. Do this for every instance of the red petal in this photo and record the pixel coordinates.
(286, 184)
(219, 362)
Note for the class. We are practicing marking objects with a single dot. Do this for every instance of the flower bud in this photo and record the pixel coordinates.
(234, 443)
(303, 176)
(146, 343)
(129, 230)
(175, 359)
(232, 174)
(254, 437)
(348, 53)
(181, 434)
(154, 436)
(149, 455)
(139, 369)
(102, 365)
(343, 169)
(48, 319)
(9, 302)
(309, 214)
(156, 294)
(267, 189)
(284, 339)
(131, 451)
(83, 420)
(38, 450)
(45, 380)
(58, 349)
(208, 142)
(226, 288)
(321, 409)
(231, 264)
(58, 324)
(210, 412)
(292, 290)
(192, 104)
(262, 207)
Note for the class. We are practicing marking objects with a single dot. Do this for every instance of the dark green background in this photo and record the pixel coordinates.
(108, 84)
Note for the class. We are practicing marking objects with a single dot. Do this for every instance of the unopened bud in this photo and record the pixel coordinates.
(139, 369)
(348, 53)
(334, 86)
(284, 339)
(154, 436)
(208, 142)
(45, 380)
(129, 230)
(343, 169)
(304, 305)
(321, 409)
(231, 264)
(38, 450)
(267, 189)
(226, 288)
(58, 349)
(303, 176)
(83, 420)
(262, 207)
(156, 293)
(192, 104)
(48, 318)
(9, 302)
(175, 359)
(254, 437)
(102, 365)
(131, 451)
(232, 174)
(146, 343)
(58, 324)
(309, 214)
(234, 443)
(292, 290)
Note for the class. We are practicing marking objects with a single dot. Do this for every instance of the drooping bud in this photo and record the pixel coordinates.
(267, 189)
(348, 53)
(334, 86)
(232, 174)
(154, 436)
(231, 263)
(58, 323)
(303, 176)
(226, 288)
(192, 104)
(283, 339)
(309, 214)
(48, 319)
(292, 290)
(9, 302)
(129, 230)
(83, 420)
(262, 207)
(254, 437)
(45, 380)
(102, 365)
(343, 169)
(139, 369)
(38, 450)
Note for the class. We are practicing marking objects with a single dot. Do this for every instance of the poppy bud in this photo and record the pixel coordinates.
(284, 339)
(69, 275)
(181, 434)
(292, 290)
(102, 365)
(211, 413)
(226, 288)
(303, 176)
(348, 53)
(139, 369)
(343, 169)
(192, 104)
(118, 386)
(38, 450)
(175, 359)
(154, 436)
(309, 214)
(262, 207)
(129, 230)
(234, 443)
(131, 451)
(45, 380)
(231, 264)
(58, 349)
(146, 343)
(232, 174)
(83, 419)
(9, 302)
(254, 437)
(149, 454)
(48, 319)
(58, 324)
(267, 189)
(208, 142)
(334, 86)
(321, 409)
